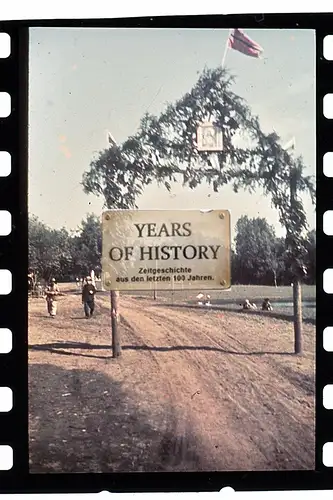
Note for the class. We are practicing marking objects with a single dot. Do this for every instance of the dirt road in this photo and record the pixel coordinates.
(193, 390)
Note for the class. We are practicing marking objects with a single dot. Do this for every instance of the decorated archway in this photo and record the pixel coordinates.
(164, 149)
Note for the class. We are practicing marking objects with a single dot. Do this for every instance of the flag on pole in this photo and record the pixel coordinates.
(239, 41)
(110, 139)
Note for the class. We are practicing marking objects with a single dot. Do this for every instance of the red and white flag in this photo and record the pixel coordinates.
(243, 43)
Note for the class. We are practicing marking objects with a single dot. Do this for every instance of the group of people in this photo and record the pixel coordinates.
(88, 297)
(266, 305)
(52, 291)
(247, 305)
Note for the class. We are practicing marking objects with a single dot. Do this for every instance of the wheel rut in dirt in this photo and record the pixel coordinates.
(195, 389)
(245, 400)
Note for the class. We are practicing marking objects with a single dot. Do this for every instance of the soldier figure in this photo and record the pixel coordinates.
(88, 297)
(51, 297)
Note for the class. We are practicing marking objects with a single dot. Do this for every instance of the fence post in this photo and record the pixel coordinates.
(116, 347)
(297, 287)
(297, 298)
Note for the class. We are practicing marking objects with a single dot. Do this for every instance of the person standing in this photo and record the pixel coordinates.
(51, 293)
(88, 297)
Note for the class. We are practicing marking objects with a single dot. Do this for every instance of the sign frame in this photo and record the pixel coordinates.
(215, 135)
(196, 257)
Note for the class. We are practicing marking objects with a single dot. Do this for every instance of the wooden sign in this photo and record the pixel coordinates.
(166, 249)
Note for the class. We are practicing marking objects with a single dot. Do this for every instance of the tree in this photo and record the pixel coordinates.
(87, 247)
(57, 253)
(257, 250)
(283, 275)
(236, 273)
(49, 250)
(310, 259)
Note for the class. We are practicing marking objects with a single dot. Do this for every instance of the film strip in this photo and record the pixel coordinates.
(14, 443)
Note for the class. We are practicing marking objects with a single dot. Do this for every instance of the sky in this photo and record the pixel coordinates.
(85, 81)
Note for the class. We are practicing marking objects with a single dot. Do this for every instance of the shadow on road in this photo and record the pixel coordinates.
(83, 421)
(58, 347)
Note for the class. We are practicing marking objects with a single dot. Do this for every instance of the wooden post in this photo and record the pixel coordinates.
(116, 347)
(297, 288)
(173, 289)
(297, 296)
(155, 294)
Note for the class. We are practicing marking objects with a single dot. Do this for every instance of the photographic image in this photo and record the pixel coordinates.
(172, 241)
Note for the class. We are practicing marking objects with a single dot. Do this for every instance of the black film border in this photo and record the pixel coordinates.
(14, 252)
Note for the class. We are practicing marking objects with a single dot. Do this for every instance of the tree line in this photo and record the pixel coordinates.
(258, 256)
(62, 254)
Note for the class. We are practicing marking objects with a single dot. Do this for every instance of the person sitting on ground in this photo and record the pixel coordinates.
(88, 297)
(199, 297)
(266, 305)
(247, 305)
(208, 302)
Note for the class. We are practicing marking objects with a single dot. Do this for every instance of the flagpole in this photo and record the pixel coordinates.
(226, 49)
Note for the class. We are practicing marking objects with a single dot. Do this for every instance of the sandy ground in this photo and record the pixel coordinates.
(193, 390)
